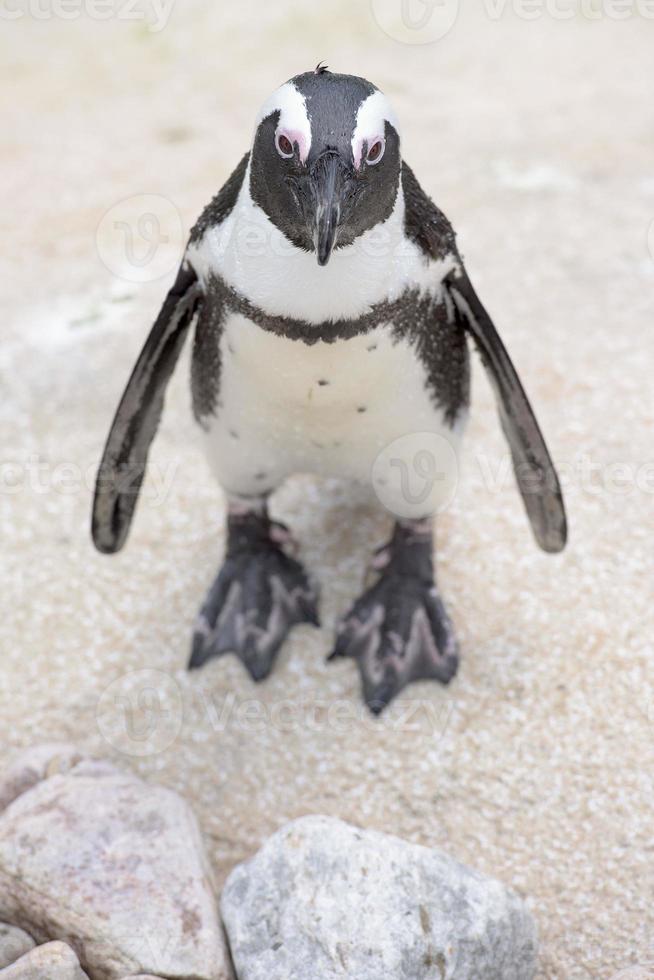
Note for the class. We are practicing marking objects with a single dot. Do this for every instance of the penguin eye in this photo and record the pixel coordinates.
(284, 146)
(376, 152)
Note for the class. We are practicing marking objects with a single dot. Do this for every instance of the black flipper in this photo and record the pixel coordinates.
(428, 227)
(136, 421)
(260, 593)
(532, 464)
(399, 631)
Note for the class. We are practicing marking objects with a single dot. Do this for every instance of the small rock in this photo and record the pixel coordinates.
(115, 867)
(54, 961)
(324, 900)
(13, 944)
(33, 765)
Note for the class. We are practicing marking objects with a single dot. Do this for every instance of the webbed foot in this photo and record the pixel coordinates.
(260, 593)
(398, 631)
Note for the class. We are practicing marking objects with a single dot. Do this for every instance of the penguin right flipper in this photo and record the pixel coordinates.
(136, 421)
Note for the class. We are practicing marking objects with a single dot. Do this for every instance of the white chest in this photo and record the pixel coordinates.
(331, 409)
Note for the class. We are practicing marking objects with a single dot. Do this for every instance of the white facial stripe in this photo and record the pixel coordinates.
(293, 116)
(373, 113)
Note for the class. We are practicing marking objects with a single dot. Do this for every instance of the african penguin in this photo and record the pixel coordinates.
(332, 315)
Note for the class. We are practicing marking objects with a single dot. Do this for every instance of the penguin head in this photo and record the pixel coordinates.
(325, 162)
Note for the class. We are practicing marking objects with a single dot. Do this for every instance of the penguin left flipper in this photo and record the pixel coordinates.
(260, 593)
(532, 464)
(539, 485)
(138, 415)
(398, 631)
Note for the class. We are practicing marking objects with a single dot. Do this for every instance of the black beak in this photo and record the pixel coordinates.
(328, 179)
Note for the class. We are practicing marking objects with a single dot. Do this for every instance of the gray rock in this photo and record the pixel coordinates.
(54, 961)
(13, 944)
(115, 867)
(33, 765)
(324, 900)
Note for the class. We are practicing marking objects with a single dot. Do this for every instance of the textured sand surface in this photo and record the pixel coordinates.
(537, 764)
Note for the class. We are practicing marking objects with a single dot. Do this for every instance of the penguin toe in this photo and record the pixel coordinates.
(200, 651)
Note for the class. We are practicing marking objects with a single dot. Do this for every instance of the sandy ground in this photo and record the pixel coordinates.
(536, 765)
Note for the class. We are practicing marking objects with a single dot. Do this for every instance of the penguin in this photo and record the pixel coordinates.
(332, 317)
